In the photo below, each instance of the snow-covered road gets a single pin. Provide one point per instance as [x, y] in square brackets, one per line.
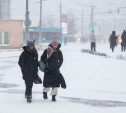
[94, 84]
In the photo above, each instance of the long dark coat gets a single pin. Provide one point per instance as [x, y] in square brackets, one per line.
[113, 40]
[123, 37]
[52, 75]
[28, 61]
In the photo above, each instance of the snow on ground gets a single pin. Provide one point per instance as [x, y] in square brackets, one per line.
[94, 84]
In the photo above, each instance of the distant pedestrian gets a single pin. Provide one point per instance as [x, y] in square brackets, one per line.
[65, 40]
[92, 39]
[123, 43]
[113, 40]
[52, 57]
[28, 61]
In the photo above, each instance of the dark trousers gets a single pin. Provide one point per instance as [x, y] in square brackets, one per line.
[123, 47]
[28, 84]
[112, 46]
[112, 49]
[93, 46]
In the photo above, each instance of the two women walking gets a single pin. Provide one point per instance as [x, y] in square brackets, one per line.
[52, 58]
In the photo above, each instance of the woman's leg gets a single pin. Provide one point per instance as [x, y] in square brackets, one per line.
[45, 90]
[28, 91]
[54, 92]
[29, 85]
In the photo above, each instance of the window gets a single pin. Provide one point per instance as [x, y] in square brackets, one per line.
[4, 38]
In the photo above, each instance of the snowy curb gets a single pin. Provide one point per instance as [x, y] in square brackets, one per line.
[95, 53]
[119, 57]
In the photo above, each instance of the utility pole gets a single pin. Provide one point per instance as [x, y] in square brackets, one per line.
[60, 13]
[40, 23]
[82, 39]
[72, 25]
[103, 27]
[60, 19]
[92, 17]
[27, 22]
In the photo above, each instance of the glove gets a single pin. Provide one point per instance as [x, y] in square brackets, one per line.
[63, 86]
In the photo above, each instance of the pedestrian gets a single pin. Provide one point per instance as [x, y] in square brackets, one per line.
[113, 40]
[28, 61]
[123, 43]
[52, 58]
[92, 39]
[65, 40]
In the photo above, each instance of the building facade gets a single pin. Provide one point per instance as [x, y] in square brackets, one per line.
[11, 34]
[5, 9]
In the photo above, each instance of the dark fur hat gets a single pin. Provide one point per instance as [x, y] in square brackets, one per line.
[31, 43]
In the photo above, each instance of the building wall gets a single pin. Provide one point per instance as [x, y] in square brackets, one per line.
[15, 29]
[4, 9]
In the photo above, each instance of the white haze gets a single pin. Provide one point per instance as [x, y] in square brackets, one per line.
[104, 23]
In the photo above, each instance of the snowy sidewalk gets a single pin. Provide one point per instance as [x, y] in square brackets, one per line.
[94, 84]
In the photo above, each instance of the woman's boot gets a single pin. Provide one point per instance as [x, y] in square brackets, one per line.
[54, 98]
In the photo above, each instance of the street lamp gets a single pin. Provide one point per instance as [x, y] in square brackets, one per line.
[40, 23]
[27, 22]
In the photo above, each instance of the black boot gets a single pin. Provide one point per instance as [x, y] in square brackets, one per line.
[26, 96]
[53, 98]
[45, 95]
[29, 99]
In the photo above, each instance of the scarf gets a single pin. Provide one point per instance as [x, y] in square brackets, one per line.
[49, 51]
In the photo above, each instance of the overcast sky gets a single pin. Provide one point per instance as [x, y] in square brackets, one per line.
[51, 10]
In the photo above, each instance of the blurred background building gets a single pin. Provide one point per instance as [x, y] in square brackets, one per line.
[5, 9]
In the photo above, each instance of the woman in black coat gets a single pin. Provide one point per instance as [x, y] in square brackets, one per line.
[53, 59]
[123, 43]
[28, 61]
[112, 40]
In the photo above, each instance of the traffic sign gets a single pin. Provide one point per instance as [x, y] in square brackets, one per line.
[29, 22]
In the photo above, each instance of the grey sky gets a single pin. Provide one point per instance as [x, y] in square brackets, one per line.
[51, 9]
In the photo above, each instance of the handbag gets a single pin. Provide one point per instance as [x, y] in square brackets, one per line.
[41, 66]
[38, 80]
